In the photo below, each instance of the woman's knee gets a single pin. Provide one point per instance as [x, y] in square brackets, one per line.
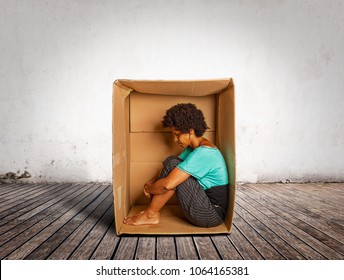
[171, 162]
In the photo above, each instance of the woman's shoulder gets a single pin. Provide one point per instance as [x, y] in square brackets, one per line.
[207, 143]
[206, 149]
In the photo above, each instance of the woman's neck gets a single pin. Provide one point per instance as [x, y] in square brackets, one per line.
[200, 141]
[196, 142]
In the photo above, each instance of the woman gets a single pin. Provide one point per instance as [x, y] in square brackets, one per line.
[198, 176]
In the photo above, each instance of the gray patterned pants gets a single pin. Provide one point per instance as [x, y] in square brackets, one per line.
[195, 203]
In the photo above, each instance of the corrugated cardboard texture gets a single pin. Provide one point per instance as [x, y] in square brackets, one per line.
[153, 107]
[140, 144]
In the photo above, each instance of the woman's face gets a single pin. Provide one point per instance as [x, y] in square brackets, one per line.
[182, 139]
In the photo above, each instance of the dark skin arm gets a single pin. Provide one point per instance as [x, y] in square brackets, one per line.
[170, 182]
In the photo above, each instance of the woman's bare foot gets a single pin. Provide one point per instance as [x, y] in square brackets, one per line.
[143, 218]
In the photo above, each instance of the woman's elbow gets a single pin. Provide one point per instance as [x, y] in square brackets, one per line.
[169, 186]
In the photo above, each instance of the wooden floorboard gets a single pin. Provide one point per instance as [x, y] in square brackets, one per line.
[75, 221]
[166, 248]
[145, 249]
[186, 249]
[297, 223]
[126, 248]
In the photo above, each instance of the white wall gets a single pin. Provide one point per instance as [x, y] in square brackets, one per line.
[58, 60]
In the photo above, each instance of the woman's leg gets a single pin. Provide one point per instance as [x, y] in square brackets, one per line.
[152, 214]
[196, 205]
[194, 201]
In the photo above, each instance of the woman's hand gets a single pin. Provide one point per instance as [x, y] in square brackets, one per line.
[162, 185]
[147, 194]
[148, 184]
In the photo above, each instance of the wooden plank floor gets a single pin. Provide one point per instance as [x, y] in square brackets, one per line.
[75, 221]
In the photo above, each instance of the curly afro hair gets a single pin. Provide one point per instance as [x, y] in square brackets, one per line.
[185, 116]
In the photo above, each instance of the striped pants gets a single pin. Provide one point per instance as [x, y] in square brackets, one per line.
[194, 201]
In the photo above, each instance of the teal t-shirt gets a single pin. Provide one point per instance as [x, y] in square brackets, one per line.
[206, 164]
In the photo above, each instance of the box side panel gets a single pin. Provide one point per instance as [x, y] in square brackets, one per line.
[150, 144]
[226, 143]
[147, 110]
[152, 147]
[120, 153]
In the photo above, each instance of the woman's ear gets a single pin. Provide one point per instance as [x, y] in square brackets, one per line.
[191, 131]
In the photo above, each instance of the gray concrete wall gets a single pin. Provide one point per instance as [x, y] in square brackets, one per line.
[60, 58]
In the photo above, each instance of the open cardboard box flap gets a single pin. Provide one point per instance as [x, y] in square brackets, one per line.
[138, 107]
[187, 88]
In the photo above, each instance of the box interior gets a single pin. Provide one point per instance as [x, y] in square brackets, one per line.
[141, 144]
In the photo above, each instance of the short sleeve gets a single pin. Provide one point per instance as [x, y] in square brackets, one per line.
[195, 164]
[185, 153]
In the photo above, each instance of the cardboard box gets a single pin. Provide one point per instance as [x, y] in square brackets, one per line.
[140, 144]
